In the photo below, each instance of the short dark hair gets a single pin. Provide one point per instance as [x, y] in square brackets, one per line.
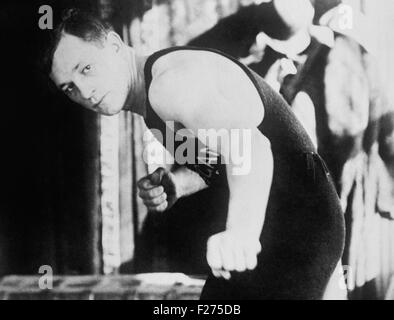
[322, 6]
[82, 24]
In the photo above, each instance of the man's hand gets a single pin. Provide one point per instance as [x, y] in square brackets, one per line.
[158, 190]
[232, 251]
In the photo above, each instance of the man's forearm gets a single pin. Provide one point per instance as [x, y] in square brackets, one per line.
[187, 181]
[249, 193]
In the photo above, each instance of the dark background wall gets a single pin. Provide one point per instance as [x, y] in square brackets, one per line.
[49, 207]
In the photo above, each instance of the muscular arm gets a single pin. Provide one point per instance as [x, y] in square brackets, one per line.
[249, 192]
[161, 189]
[204, 103]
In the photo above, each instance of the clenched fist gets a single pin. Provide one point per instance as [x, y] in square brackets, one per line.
[158, 190]
[232, 251]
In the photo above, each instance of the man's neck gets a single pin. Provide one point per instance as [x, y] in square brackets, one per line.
[136, 99]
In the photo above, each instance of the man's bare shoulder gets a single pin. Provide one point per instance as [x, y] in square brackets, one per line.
[190, 60]
[188, 83]
[179, 81]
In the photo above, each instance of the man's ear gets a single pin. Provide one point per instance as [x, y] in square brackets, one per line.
[114, 41]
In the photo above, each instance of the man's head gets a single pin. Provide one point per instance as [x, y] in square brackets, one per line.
[88, 62]
[322, 6]
[297, 14]
[282, 19]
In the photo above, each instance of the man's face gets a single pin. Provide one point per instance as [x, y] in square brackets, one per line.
[92, 74]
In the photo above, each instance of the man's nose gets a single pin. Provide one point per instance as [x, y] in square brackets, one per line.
[86, 90]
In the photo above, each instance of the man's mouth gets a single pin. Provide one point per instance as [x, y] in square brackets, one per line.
[96, 105]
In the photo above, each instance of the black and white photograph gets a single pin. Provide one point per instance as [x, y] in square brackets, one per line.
[203, 150]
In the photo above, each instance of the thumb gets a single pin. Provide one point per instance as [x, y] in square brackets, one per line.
[157, 176]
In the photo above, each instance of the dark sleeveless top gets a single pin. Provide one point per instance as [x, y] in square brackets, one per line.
[287, 136]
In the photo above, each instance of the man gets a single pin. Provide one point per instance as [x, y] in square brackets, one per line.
[236, 33]
[284, 230]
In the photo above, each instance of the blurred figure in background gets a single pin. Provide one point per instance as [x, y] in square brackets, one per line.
[236, 34]
[361, 126]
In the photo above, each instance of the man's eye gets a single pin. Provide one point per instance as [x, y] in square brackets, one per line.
[86, 69]
[69, 89]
